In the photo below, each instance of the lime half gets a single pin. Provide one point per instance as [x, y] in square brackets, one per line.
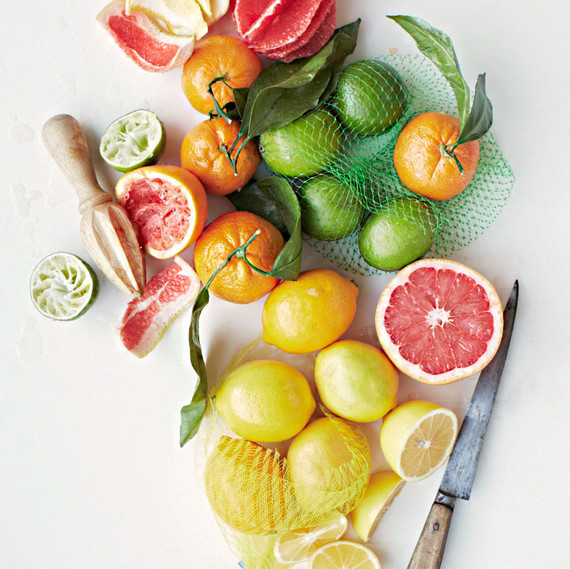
[133, 140]
[63, 286]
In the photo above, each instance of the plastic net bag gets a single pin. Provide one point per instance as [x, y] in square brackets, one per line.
[337, 147]
[253, 490]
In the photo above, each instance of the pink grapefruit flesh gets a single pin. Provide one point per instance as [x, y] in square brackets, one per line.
[439, 321]
[166, 296]
[143, 40]
[253, 17]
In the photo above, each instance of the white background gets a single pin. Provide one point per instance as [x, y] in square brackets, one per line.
[91, 474]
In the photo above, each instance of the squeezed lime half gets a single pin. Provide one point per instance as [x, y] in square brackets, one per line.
[133, 140]
[63, 286]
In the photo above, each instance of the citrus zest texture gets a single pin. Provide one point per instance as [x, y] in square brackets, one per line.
[310, 313]
[439, 321]
[423, 156]
[238, 281]
[265, 401]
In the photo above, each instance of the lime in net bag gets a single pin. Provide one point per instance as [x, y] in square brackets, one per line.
[253, 489]
[340, 158]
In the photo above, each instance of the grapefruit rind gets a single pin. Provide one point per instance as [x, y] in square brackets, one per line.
[400, 469]
[196, 199]
[165, 316]
[414, 371]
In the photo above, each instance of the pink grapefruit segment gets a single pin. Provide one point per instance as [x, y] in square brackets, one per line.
[439, 321]
[165, 297]
[143, 40]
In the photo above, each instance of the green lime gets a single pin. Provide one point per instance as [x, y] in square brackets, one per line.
[63, 286]
[401, 232]
[329, 209]
[133, 140]
[370, 97]
[304, 147]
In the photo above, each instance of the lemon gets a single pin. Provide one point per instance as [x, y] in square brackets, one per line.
[382, 489]
[310, 313]
[356, 381]
[344, 555]
[299, 545]
[329, 466]
[417, 437]
[245, 486]
[265, 401]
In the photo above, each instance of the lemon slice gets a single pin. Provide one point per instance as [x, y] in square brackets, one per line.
[417, 437]
[180, 17]
[344, 555]
[299, 545]
[133, 140]
[382, 488]
[63, 286]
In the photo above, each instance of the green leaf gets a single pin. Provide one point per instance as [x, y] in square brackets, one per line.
[481, 116]
[285, 91]
[273, 199]
[240, 98]
[192, 414]
[438, 47]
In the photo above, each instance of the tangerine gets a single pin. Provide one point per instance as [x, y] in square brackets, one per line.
[221, 57]
[424, 156]
[205, 151]
[237, 281]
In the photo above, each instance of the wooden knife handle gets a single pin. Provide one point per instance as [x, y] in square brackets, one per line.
[66, 143]
[429, 549]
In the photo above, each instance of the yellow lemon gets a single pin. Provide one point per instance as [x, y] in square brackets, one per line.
[245, 486]
[381, 491]
[344, 555]
[265, 401]
[356, 381]
[299, 545]
[329, 466]
[310, 313]
[417, 437]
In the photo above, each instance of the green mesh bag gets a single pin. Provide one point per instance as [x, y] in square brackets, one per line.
[357, 153]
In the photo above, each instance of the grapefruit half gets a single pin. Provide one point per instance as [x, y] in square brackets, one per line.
[167, 206]
[439, 321]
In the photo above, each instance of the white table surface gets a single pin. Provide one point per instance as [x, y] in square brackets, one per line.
[91, 474]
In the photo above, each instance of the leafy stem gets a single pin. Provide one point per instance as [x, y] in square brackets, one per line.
[448, 150]
[219, 110]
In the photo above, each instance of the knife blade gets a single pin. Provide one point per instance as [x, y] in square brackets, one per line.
[458, 478]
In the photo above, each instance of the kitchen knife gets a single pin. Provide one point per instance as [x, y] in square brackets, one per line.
[460, 472]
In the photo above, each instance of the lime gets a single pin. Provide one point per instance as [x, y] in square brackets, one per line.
[329, 209]
[133, 140]
[401, 232]
[304, 147]
[63, 286]
[370, 97]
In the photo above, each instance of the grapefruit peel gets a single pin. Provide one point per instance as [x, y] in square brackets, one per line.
[432, 321]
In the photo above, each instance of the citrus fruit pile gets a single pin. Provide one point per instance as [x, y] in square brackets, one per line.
[285, 29]
[296, 461]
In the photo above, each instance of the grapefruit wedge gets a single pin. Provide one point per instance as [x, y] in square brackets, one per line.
[143, 40]
[439, 321]
[165, 297]
[167, 205]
